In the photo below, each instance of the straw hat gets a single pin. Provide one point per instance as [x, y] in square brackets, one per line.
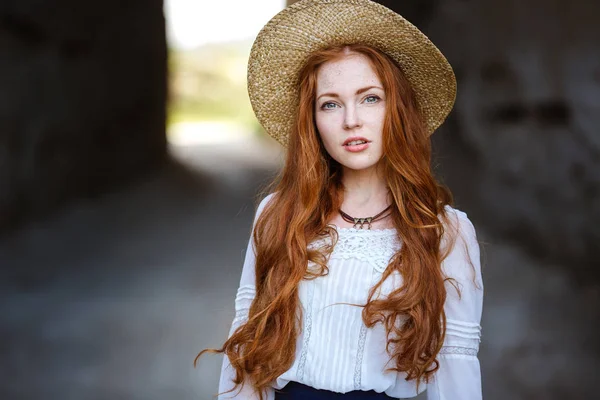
[285, 42]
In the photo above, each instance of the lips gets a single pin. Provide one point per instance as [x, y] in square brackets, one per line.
[356, 144]
[355, 141]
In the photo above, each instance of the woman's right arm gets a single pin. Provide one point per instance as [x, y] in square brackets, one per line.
[245, 294]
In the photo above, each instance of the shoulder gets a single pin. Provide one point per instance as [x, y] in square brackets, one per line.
[262, 204]
[461, 247]
[458, 224]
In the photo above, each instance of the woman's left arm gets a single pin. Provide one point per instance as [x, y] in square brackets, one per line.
[459, 374]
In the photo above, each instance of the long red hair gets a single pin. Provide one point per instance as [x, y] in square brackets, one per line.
[307, 195]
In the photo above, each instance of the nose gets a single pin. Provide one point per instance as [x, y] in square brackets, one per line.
[351, 118]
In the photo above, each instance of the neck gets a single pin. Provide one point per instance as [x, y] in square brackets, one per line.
[365, 191]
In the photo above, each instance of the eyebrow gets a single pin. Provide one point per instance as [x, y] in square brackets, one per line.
[359, 91]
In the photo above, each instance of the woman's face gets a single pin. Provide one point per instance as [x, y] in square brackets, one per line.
[349, 111]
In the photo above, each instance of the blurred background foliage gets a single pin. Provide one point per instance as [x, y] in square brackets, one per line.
[209, 84]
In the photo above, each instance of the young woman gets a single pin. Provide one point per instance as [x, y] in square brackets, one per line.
[360, 279]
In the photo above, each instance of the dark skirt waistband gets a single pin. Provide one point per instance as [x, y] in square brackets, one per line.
[298, 391]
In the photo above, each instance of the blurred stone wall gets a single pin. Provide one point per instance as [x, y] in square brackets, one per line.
[527, 120]
[82, 99]
[521, 150]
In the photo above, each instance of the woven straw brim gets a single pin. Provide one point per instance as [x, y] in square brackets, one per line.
[284, 44]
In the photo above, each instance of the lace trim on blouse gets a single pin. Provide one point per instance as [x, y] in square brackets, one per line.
[375, 247]
[361, 344]
[462, 339]
[307, 331]
[359, 357]
[457, 350]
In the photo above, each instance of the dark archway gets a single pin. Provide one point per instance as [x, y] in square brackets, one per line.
[82, 101]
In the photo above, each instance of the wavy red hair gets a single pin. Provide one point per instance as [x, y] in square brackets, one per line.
[307, 195]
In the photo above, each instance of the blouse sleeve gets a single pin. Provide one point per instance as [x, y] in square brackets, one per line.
[459, 375]
[243, 300]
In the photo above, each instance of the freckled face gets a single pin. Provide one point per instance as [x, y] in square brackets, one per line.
[350, 110]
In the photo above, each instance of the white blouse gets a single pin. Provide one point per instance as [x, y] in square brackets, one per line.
[335, 350]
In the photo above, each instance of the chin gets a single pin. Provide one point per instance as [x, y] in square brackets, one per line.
[357, 165]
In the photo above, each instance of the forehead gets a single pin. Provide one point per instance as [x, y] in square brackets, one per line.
[351, 72]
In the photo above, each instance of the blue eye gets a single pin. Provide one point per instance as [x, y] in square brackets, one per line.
[328, 106]
[372, 99]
